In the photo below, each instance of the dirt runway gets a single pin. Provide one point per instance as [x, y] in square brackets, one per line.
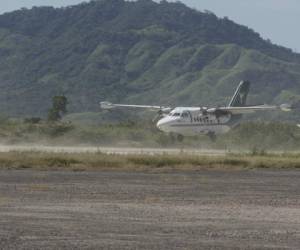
[176, 210]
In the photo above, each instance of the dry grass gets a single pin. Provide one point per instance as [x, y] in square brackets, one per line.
[94, 161]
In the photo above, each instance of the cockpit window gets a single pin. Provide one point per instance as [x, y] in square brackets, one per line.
[182, 114]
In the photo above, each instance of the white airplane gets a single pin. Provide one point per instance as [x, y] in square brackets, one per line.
[191, 121]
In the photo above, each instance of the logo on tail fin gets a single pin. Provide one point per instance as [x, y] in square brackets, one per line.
[240, 96]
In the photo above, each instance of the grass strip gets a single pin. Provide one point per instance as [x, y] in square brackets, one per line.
[100, 161]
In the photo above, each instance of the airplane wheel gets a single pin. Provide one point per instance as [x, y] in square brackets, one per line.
[212, 136]
[180, 138]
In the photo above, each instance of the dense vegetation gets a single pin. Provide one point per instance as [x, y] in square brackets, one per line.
[143, 52]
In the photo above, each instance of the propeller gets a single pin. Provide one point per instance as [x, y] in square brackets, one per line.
[161, 113]
[216, 112]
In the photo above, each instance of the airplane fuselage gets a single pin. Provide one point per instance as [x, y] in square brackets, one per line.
[195, 121]
[191, 121]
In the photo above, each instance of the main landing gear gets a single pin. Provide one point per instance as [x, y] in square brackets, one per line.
[212, 136]
[176, 137]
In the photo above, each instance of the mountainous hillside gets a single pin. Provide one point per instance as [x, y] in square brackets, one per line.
[138, 52]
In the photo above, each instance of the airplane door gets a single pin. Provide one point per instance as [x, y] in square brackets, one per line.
[185, 116]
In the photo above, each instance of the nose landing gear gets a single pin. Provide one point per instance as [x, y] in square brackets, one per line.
[180, 138]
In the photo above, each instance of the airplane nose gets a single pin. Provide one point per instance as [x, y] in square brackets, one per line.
[161, 124]
[165, 124]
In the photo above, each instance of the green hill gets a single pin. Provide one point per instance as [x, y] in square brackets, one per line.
[138, 52]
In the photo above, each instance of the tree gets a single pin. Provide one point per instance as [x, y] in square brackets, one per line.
[59, 108]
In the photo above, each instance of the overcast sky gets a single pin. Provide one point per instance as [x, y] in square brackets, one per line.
[274, 19]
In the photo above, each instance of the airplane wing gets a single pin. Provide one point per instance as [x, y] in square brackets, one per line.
[251, 109]
[109, 105]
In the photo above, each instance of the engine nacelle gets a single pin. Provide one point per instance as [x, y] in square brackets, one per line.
[212, 111]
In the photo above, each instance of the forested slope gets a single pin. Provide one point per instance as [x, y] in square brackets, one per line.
[140, 52]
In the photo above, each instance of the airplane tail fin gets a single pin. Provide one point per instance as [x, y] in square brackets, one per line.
[240, 96]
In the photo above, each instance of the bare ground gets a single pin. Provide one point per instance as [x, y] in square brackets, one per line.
[255, 209]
